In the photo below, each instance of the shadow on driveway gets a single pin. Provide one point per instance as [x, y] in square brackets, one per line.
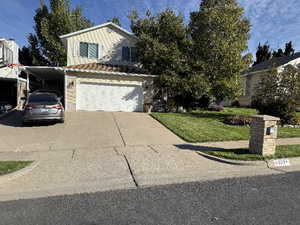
[15, 119]
[201, 152]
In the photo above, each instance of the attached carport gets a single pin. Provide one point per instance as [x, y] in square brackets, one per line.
[46, 78]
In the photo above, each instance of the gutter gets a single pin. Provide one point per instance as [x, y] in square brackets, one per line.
[109, 72]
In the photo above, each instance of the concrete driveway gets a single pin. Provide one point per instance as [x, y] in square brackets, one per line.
[84, 130]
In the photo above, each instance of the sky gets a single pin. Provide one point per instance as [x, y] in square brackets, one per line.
[273, 21]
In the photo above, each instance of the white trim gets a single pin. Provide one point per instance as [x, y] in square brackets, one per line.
[97, 27]
[90, 71]
[109, 72]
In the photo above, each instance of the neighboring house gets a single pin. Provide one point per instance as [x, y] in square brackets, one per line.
[102, 72]
[12, 87]
[251, 78]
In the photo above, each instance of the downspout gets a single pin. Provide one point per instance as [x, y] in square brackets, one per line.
[65, 89]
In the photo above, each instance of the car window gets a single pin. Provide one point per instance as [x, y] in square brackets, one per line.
[42, 98]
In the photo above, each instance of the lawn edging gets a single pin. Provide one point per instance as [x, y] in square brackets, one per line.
[233, 161]
[11, 176]
[269, 163]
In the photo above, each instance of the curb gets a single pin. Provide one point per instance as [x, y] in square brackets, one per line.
[8, 113]
[233, 162]
[19, 173]
[294, 161]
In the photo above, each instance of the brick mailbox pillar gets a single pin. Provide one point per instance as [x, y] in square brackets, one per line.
[263, 135]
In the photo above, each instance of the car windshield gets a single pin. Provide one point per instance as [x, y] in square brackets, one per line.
[42, 98]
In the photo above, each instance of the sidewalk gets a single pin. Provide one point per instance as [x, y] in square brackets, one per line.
[242, 144]
[91, 170]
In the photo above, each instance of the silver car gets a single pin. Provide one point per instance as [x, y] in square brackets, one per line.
[43, 107]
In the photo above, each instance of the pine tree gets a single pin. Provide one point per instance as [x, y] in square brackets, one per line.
[263, 53]
[50, 23]
[289, 50]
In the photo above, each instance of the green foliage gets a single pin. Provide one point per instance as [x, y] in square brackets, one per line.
[278, 53]
[163, 49]
[263, 53]
[220, 35]
[277, 94]
[50, 23]
[289, 50]
[25, 56]
[116, 21]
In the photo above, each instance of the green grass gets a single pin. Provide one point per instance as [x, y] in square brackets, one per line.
[205, 126]
[12, 166]
[285, 151]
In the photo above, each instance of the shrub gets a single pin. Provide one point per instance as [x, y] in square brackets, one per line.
[238, 120]
[277, 94]
[216, 108]
[235, 103]
[295, 120]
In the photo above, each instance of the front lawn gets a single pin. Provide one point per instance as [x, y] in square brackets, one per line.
[12, 166]
[285, 151]
[205, 126]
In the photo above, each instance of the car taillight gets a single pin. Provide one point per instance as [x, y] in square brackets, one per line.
[28, 107]
[57, 107]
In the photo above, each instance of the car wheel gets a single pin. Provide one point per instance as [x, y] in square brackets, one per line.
[25, 123]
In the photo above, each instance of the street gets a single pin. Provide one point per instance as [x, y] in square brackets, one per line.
[257, 200]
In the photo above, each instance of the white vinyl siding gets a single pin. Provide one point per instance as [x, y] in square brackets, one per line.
[110, 46]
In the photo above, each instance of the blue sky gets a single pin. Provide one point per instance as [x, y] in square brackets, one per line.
[275, 21]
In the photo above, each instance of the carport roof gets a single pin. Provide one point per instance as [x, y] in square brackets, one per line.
[46, 72]
[54, 73]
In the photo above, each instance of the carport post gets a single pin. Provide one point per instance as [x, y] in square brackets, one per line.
[27, 82]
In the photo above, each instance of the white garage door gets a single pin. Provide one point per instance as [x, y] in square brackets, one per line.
[109, 97]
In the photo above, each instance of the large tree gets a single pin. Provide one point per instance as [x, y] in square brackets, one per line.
[288, 51]
[220, 34]
[263, 53]
[50, 23]
[163, 49]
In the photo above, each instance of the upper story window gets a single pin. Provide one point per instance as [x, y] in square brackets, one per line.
[129, 54]
[89, 50]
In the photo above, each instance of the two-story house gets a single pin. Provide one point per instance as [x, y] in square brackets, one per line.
[251, 78]
[102, 72]
[12, 87]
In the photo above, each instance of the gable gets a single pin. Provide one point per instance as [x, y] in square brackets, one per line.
[110, 40]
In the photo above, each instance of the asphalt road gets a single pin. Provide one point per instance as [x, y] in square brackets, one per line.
[242, 201]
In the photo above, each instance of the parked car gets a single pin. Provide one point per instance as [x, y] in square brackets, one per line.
[43, 107]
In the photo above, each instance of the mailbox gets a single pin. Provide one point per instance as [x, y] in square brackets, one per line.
[270, 130]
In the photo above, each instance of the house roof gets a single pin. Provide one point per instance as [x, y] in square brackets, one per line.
[98, 27]
[108, 69]
[272, 63]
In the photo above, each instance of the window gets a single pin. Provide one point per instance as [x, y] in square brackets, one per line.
[129, 54]
[89, 50]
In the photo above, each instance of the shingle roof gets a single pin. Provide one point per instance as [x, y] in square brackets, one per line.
[108, 68]
[272, 63]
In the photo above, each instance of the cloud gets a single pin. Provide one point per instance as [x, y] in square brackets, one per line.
[275, 21]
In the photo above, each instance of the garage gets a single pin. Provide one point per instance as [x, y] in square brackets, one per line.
[109, 97]
[95, 86]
